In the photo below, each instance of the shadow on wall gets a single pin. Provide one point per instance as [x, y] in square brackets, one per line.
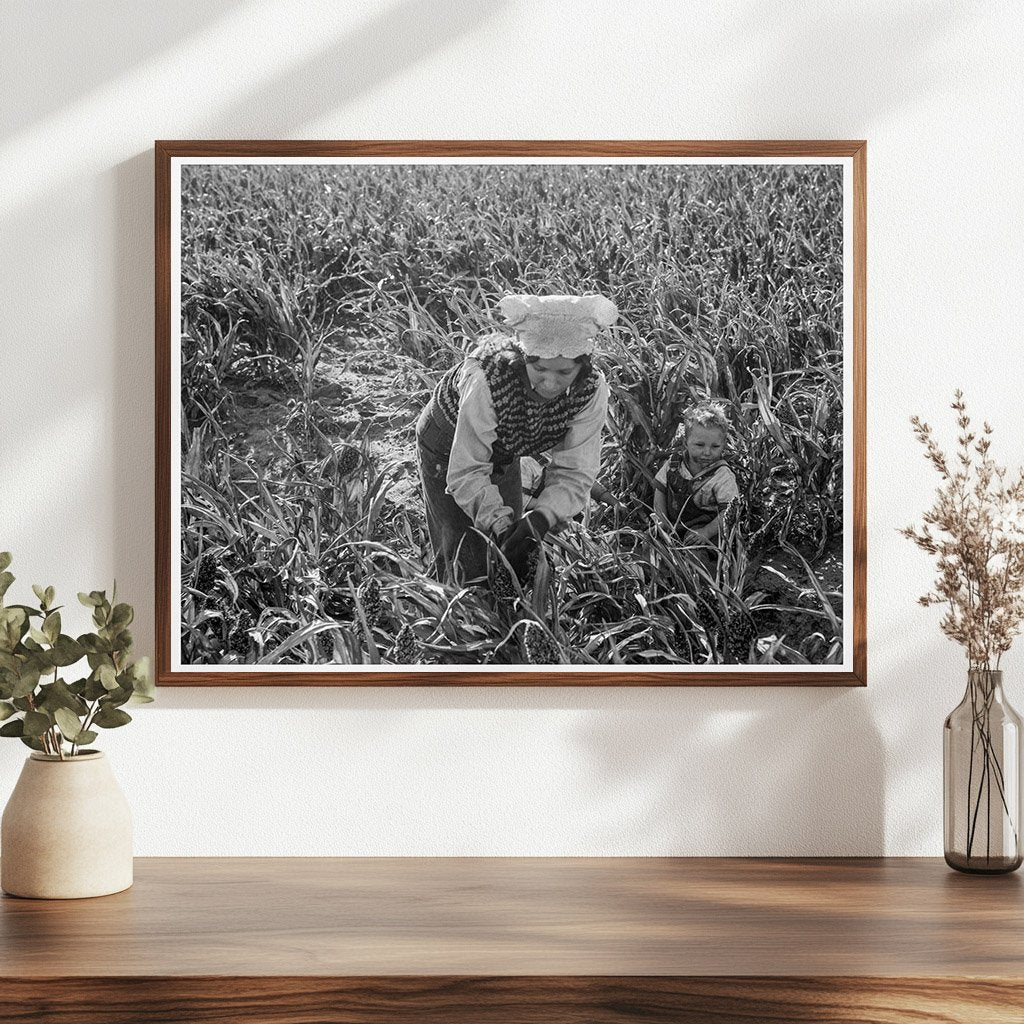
[787, 772]
[811, 53]
[121, 35]
[748, 771]
[802, 47]
[925, 682]
[133, 384]
[395, 38]
[49, 63]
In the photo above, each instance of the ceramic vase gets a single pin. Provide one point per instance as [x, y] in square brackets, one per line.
[66, 830]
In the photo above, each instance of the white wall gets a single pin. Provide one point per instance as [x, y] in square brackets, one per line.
[938, 90]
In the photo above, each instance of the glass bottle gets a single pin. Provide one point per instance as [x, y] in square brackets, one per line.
[981, 776]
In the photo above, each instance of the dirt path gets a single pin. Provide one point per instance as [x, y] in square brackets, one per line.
[361, 397]
[376, 397]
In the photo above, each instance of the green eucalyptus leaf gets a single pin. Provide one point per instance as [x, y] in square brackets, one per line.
[113, 637]
[36, 723]
[51, 626]
[102, 649]
[123, 641]
[9, 663]
[6, 710]
[122, 616]
[37, 659]
[69, 723]
[86, 736]
[50, 595]
[107, 676]
[89, 643]
[40, 592]
[115, 698]
[94, 689]
[66, 651]
[30, 612]
[27, 681]
[38, 636]
[31, 741]
[47, 661]
[6, 579]
[22, 703]
[15, 728]
[5, 559]
[58, 695]
[89, 600]
[111, 718]
[13, 624]
[142, 678]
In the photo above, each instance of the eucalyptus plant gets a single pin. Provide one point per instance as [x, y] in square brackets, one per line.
[46, 712]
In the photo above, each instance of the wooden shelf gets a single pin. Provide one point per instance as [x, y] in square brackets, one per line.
[289, 940]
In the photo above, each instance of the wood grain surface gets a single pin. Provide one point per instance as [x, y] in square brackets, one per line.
[531, 916]
[290, 940]
[536, 1000]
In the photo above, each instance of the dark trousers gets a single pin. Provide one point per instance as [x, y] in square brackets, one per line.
[460, 552]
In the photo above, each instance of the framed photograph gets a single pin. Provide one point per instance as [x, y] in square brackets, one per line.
[491, 413]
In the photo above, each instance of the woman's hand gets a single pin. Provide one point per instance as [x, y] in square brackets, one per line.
[526, 536]
[501, 529]
[601, 494]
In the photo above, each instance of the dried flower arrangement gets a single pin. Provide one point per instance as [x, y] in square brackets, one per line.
[976, 530]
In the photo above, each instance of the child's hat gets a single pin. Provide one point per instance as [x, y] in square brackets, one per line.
[550, 326]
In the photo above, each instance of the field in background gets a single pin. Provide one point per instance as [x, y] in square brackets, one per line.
[320, 305]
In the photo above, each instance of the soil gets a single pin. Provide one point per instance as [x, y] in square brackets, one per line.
[788, 585]
[361, 396]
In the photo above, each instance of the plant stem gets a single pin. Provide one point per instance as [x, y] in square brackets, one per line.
[982, 698]
[988, 814]
[58, 739]
[970, 768]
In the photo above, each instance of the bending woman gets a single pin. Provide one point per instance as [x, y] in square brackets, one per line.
[537, 391]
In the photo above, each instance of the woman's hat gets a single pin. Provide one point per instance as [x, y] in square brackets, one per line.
[550, 326]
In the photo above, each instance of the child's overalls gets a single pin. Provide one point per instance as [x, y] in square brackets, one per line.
[681, 491]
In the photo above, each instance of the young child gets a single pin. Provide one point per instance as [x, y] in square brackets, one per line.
[695, 483]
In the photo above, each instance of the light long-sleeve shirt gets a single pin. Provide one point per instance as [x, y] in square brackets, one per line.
[570, 474]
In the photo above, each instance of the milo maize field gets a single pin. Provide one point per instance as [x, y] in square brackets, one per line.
[320, 304]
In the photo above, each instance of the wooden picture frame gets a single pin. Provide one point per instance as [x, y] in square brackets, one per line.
[199, 630]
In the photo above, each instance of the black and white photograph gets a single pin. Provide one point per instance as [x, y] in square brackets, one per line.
[468, 415]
